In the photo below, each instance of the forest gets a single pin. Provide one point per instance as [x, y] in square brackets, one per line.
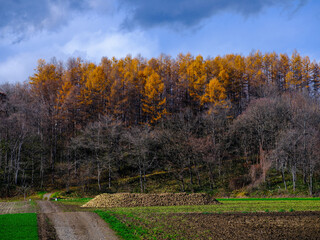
[224, 122]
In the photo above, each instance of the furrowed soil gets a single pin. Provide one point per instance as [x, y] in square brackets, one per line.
[54, 223]
[296, 225]
[16, 207]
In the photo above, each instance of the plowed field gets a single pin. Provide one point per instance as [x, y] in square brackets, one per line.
[275, 225]
[302, 225]
[16, 207]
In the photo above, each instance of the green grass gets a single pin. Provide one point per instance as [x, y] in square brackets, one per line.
[55, 195]
[122, 230]
[80, 200]
[40, 194]
[21, 226]
[269, 199]
[74, 201]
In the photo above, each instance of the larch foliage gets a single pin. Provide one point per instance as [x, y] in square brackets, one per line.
[154, 102]
[215, 93]
[197, 78]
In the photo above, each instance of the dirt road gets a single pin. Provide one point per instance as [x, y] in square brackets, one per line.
[47, 196]
[71, 225]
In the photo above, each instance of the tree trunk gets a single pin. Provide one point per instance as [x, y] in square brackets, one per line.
[99, 173]
[304, 176]
[293, 171]
[68, 180]
[182, 182]
[198, 176]
[219, 166]
[196, 166]
[304, 154]
[0, 158]
[210, 176]
[5, 165]
[41, 172]
[262, 159]
[283, 177]
[32, 172]
[140, 175]
[51, 163]
[191, 179]
[109, 174]
[144, 179]
[311, 183]
[17, 165]
[11, 165]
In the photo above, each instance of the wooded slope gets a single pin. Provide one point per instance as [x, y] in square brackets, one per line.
[218, 122]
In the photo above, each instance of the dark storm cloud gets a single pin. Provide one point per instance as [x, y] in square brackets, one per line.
[149, 13]
[18, 17]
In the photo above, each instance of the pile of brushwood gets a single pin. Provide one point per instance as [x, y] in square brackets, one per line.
[143, 200]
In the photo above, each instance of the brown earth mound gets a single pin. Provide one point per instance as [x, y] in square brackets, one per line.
[143, 200]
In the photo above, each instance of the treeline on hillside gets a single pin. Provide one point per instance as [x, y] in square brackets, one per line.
[230, 117]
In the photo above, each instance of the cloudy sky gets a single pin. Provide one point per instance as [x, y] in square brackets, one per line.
[91, 29]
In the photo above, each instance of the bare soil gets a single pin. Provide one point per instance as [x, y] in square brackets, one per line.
[56, 224]
[46, 230]
[48, 207]
[297, 225]
[16, 207]
[47, 196]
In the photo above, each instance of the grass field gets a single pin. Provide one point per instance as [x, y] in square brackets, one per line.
[167, 222]
[75, 200]
[228, 205]
[21, 226]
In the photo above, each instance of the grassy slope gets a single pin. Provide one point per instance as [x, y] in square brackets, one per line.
[22, 226]
[159, 182]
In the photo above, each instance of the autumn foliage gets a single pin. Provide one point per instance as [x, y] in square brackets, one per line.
[137, 90]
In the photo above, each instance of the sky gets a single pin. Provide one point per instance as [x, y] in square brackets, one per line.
[92, 29]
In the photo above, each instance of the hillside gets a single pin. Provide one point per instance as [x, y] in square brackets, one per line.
[229, 125]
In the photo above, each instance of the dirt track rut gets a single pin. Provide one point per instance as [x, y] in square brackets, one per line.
[75, 225]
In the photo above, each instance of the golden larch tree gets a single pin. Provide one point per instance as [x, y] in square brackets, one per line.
[215, 94]
[154, 102]
[197, 78]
